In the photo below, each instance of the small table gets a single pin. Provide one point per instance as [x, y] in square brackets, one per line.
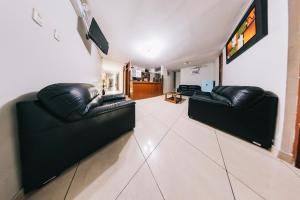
[173, 97]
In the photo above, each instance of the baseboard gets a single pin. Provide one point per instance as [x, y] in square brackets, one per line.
[19, 195]
[286, 157]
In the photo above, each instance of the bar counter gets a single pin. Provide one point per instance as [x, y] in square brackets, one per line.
[142, 90]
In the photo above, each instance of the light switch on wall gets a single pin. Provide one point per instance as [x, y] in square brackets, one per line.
[37, 17]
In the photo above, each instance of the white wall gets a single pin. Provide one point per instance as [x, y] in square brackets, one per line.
[265, 64]
[208, 71]
[168, 80]
[114, 67]
[30, 60]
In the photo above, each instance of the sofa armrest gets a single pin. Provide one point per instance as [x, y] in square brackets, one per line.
[108, 108]
[113, 97]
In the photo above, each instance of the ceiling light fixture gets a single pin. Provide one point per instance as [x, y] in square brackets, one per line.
[151, 48]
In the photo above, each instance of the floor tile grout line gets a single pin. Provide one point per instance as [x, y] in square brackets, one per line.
[207, 156]
[131, 178]
[71, 182]
[169, 126]
[160, 141]
[167, 132]
[239, 141]
[249, 145]
[266, 154]
[242, 182]
[146, 158]
[149, 167]
[227, 173]
[287, 165]
[161, 193]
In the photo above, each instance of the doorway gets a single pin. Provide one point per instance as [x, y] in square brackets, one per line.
[126, 79]
[220, 69]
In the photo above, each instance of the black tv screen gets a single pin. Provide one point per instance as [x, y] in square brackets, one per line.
[96, 35]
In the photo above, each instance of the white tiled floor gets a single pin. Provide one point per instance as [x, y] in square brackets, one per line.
[169, 156]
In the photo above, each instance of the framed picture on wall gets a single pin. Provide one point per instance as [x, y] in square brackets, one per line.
[252, 28]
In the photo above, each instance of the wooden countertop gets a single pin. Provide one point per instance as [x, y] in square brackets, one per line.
[144, 82]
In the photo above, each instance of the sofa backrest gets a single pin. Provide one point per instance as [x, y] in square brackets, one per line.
[183, 87]
[239, 96]
[68, 100]
[194, 87]
[189, 87]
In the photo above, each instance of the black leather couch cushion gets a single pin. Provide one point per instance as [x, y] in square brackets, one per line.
[238, 96]
[68, 101]
[188, 90]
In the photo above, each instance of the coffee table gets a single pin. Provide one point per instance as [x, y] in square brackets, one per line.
[173, 97]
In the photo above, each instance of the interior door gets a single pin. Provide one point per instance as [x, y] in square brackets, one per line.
[127, 77]
[297, 128]
[221, 69]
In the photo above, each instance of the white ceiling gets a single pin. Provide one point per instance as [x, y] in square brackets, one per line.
[179, 30]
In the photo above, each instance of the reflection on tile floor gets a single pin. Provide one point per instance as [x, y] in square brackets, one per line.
[169, 156]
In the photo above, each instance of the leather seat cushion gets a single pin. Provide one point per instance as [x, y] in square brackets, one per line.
[68, 100]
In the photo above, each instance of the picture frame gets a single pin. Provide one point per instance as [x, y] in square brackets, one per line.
[251, 29]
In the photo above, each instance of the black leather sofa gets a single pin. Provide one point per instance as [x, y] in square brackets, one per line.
[247, 112]
[188, 90]
[67, 122]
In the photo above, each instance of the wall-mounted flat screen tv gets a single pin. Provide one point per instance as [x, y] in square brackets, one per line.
[96, 35]
[252, 28]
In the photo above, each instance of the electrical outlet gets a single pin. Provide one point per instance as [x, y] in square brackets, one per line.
[37, 17]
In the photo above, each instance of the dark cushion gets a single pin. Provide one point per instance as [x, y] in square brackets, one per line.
[183, 87]
[239, 96]
[217, 97]
[189, 87]
[194, 87]
[68, 100]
